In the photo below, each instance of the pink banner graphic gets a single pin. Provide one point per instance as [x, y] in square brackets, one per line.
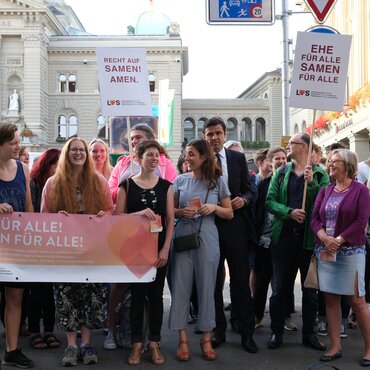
[76, 248]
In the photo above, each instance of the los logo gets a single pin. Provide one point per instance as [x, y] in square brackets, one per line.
[302, 92]
[113, 102]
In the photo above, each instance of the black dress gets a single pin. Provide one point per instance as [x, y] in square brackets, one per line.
[139, 199]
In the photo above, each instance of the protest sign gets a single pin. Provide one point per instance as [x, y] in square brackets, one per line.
[320, 71]
[123, 82]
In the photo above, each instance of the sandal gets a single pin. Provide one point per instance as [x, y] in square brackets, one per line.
[51, 340]
[135, 355]
[210, 354]
[155, 354]
[37, 342]
[183, 355]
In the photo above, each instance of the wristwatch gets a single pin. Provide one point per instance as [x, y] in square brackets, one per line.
[340, 239]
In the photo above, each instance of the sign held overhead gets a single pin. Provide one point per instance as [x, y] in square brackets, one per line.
[320, 71]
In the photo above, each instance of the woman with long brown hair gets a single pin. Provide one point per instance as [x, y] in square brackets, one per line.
[200, 195]
[77, 188]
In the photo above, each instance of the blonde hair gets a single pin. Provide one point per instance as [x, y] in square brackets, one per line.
[107, 168]
[63, 187]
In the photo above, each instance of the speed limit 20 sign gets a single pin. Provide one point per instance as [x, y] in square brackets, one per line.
[240, 11]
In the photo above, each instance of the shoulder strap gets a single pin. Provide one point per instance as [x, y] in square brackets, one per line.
[282, 174]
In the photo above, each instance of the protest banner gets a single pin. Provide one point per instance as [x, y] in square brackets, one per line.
[45, 247]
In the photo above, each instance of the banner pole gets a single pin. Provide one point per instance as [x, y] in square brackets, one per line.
[309, 158]
[128, 123]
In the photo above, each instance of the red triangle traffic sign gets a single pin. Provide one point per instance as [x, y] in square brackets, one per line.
[320, 8]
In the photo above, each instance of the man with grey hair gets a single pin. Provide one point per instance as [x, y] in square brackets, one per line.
[292, 239]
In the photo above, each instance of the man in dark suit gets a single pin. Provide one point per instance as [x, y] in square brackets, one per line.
[235, 239]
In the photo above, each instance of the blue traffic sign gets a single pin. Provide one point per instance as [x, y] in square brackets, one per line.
[323, 29]
[240, 11]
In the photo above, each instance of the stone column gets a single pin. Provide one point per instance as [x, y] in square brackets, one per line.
[359, 143]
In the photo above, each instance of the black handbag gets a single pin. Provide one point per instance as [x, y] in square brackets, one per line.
[187, 242]
[191, 241]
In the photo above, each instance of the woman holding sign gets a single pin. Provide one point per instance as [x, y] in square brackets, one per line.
[15, 196]
[77, 188]
[149, 195]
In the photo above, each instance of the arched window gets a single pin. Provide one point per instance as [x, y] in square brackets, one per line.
[102, 128]
[151, 78]
[72, 83]
[67, 84]
[200, 125]
[296, 130]
[231, 129]
[67, 126]
[62, 83]
[260, 129]
[304, 126]
[188, 129]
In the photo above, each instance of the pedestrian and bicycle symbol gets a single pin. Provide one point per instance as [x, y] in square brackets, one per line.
[240, 11]
[240, 8]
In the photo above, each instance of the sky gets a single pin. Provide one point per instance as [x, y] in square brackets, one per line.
[223, 60]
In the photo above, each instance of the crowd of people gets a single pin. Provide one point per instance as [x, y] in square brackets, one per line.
[213, 209]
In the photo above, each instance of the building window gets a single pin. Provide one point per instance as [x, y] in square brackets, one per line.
[72, 83]
[62, 83]
[151, 79]
[67, 84]
[67, 126]
[102, 127]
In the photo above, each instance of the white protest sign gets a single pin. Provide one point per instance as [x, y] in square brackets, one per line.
[320, 71]
[124, 85]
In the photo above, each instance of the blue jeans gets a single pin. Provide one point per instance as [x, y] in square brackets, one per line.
[287, 257]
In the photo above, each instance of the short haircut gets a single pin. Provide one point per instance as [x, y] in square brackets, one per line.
[350, 161]
[142, 147]
[337, 145]
[271, 153]
[306, 138]
[317, 149]
[231, 143]
[7, 132]
[214, 121]
[260, 155]
[148, 131]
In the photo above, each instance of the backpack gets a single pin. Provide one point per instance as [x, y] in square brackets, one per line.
[122, 332]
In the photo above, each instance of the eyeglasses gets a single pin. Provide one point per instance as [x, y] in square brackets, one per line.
[332, 161]
[293, 142]
[77, 150]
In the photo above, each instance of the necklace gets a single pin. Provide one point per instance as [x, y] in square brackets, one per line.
[344, 189]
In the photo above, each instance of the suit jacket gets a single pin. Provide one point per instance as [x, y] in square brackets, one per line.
[239, 186]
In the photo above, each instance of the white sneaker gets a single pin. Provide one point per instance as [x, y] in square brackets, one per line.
[258, 324]
[321, 329]
[290, 325]
[110, 342]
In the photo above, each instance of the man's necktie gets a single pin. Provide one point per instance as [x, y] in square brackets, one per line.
[219, 163]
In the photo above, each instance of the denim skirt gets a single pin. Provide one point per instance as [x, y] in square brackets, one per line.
[339, 277]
